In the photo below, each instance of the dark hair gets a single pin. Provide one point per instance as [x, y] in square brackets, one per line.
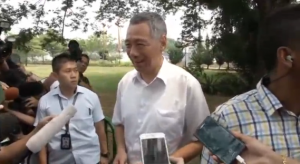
[280, 28]
[155, 22]
[59, 60]
[85, 55]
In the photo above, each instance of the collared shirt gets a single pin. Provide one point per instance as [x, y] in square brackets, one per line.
[173, 103]
[85, 141]
[258, 113]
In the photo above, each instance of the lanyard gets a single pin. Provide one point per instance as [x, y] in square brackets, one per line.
[62, 108]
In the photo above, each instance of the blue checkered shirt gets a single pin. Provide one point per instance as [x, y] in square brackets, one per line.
[258, 113]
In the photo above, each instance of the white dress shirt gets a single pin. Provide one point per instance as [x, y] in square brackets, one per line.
[85, 141]
[173, 103]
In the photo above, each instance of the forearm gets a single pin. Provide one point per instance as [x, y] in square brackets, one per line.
[278, 159]
[120, 139]
[43, 156]
[23, 117]
[100, 130]
[189, 151]
[14, 150]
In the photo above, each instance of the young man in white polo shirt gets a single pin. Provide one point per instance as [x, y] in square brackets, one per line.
[157, 96]
[81, 140]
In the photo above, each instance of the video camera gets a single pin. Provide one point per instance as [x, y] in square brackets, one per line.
[6, 47]
[75, 50]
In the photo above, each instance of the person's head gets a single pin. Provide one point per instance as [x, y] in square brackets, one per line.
[279, 42]
[64, 68]
[146, 40]
[83, 63]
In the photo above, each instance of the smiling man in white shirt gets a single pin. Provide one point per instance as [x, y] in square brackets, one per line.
[157, 96]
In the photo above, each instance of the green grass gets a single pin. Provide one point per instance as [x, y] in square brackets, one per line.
[103, 79]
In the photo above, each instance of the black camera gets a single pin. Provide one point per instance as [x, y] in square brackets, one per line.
[75, 50]
[6, 47]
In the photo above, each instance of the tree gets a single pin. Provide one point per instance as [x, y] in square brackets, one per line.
[97, 44]
[235, 22]
[235, 25]
[175, 55]
[220, 60]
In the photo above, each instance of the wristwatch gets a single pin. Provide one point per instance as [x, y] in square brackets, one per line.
[105, 155]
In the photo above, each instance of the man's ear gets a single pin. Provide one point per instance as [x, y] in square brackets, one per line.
[163, 42]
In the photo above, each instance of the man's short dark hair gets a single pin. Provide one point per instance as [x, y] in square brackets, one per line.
[59, 60]
[86, 56]
[280, 28]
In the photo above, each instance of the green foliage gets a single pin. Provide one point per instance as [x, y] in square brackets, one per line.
[208, 83]
[175, 55]
[220, 60]
[102, 43]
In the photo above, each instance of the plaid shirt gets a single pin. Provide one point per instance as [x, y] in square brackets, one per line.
[258, 113]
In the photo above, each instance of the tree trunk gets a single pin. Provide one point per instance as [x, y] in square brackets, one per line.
[207, 66]
[219, 67]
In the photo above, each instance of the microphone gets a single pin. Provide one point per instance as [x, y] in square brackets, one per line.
[43, 136]
[11, 93]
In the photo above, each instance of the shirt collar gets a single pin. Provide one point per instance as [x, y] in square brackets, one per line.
[268, 100]
[162, 74]
[56, 91]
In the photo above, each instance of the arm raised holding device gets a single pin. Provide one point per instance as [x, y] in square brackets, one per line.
[38, 138]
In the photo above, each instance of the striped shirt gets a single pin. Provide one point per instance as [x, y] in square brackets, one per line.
[258, 113]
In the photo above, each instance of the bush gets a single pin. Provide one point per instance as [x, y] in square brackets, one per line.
[229, 84]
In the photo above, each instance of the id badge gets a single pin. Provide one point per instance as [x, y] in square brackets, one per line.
[65, 143]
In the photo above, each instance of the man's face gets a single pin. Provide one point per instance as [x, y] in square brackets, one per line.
[68, 74]
[142, 49]
[83, 64]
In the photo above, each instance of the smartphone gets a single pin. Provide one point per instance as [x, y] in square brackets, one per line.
[154, 148]
[219, 141]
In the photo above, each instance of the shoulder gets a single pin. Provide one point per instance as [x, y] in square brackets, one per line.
[237, 107]
[87, 93]
[127, 78]
[178, 73]
[45, 100]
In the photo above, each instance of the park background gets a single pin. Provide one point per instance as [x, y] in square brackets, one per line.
[215, 40]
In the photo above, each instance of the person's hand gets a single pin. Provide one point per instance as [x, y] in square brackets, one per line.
[43, 122]
[4, 85]
[255, 151]
[5, 105]
[175, 160]
[31, 102]
[104, 160]
[121, 158]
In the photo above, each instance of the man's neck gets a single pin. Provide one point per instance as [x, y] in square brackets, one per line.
[148, 77]
[287, 92]
[68, 92]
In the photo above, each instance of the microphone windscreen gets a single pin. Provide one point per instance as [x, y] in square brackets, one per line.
[11, 93]
[8, 123]
[29, 89]
[42, 137]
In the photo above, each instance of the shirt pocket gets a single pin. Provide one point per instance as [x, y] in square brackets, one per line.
[170, 120]
[83, 120]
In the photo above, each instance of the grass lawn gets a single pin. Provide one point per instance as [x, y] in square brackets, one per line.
[105, 81]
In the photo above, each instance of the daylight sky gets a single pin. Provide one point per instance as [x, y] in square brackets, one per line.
[173, 22]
